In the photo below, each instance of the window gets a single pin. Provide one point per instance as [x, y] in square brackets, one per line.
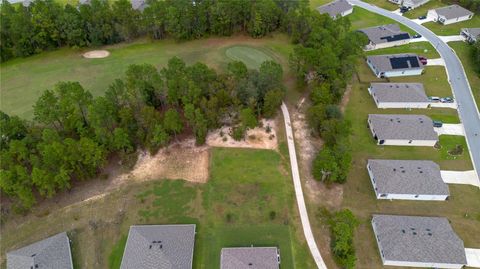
[410, 142]
[416, 196]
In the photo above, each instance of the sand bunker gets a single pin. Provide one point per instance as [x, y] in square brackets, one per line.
[96, 54]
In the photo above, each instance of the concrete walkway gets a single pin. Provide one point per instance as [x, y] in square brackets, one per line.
[473, 257]
[450, 129]
[302, 208]
[444, 105]
[460, 177]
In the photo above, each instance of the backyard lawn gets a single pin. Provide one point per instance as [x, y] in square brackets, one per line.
[248, 200]
[422, 10]
[421, 48]
[24, 80]
[383, 4]
[452, 29]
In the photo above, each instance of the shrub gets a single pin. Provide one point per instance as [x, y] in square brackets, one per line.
[457, 150]
[238, 133]
[342, 225]
[272, 215]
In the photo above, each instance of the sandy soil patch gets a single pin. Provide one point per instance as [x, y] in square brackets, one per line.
[96, 54]
[255, 138]
[308, 147]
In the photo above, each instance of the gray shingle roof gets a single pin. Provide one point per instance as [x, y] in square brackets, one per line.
[249, 258]
[404, 127]
[384, 33]
[159, 247]
[399, 92]
[335, 8]
[418, 239]
[383, 63]
[407, 177]
[139, 4]
[453, 11]
[51, 253]
[475, 32]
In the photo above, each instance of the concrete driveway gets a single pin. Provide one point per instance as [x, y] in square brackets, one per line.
[460, 177]
[438, 61]
[450, 38]
[457, 78]
[473, 257]
[450, 129]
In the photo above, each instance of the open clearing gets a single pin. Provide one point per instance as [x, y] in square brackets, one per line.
[23, 80]
[234, 208]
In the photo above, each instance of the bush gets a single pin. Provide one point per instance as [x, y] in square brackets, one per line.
[238, 133]
[342, 226]
[457, 150]
[272, 215]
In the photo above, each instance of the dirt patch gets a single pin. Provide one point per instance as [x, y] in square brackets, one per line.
[345, 98]
[254, 138]
[309, 145]
[96, 54]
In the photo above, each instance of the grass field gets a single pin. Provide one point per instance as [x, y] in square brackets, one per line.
[452, 29]
[23, 80]
[383, 4]
[422, 10]
[361, 18]
[463, 51]
[420, 48]
[234, 208]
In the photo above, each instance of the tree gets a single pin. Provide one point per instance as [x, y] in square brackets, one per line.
[11, 128]
[121, 140]
[160, 136]
[172, 122]
[343, 225]
[71, 26]
[125, 19]
[325, 167]
[273, 99]
[200, 128]
[237, 69]
[248, 119]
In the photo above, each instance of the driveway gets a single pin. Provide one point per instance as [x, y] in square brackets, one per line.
[450, 129]
[473, 257]
[302, 208]
[460, 177]
[457, 78]
[438, 61]
[450, 38]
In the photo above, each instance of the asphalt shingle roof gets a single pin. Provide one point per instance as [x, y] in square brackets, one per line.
[335, 8]
[249, 258]
[399, 92]
[418, 239]
[384, 63]
[404, 127]
[407, 177]
[453, 11]
[139, 4]
[385, 33]
[475, 32]
[52, 253]
[159, 247]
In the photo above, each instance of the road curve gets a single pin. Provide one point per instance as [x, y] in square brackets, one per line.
[462, 92]
[307, 230]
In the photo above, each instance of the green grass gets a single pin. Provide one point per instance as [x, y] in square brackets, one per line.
[23, 80]
[422, 10]
[383, 4]
[452, 29]
[464, 52]
[420, 48]
[252, 57]
[232, 209]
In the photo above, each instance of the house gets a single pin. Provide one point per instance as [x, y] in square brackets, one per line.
[418, 242]
[399, 95]
[472, 35]
[407, 180]
[412, 4]
[395, 65]
[337, 8]
[84, 2]
[402, 130]
[159, 247]
[450, 14]
[139, 5]
[385, 36]
[53, 253]
[250, 257]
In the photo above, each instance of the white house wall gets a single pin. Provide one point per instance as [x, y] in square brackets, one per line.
[402, 73]
[422, 264]
[373, 46]
[348, 12]
[400, 142]
[401, 105]
[422, 197]
[411, 4]
[455, 20]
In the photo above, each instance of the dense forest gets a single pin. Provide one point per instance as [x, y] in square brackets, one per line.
[45, 24]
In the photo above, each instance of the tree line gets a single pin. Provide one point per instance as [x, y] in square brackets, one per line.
[73, 134]
[324, 61]
[46, 24]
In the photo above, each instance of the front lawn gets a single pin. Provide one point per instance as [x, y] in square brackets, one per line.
[361, 18]
[463, 51]
[452, 29]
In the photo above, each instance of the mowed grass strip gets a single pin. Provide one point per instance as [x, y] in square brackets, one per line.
[24, 80]
[464, 52]
[454, 28]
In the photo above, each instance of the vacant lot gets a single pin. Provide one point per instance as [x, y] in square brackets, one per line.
[247, 200]
[24, 80]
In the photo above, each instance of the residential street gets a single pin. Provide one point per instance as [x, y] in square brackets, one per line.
[302, 208]
[467, 108]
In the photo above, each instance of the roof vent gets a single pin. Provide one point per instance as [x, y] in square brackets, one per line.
[430, 234]
[421, 172]
[394, 169]
[414, 233]
[161, 246]
[36, 265]
[403, 171]
[403, 231]
[150, 247]
[428, 229]
[250, 264]
[33, 255]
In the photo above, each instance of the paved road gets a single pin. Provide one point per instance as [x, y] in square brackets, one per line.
[461, 88]
[307, 230]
